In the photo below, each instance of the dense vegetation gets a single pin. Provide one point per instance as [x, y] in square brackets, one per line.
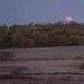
[41, 35]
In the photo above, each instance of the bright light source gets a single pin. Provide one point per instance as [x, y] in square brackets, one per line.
[68, 19]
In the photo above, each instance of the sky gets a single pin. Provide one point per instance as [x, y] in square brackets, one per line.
[40, 11]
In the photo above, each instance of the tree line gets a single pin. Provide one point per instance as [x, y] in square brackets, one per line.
[41, 35]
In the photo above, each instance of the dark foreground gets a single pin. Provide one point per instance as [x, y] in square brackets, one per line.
[46, 79]
[57, 65]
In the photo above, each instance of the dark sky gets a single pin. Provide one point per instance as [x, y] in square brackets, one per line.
[41, 11]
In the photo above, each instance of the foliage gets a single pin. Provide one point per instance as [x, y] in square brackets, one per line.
[41, 35]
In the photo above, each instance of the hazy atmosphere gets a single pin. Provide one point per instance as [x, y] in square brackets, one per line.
[39, 11]
[41, 41]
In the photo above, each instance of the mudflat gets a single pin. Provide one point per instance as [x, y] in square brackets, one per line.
[50, 65]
